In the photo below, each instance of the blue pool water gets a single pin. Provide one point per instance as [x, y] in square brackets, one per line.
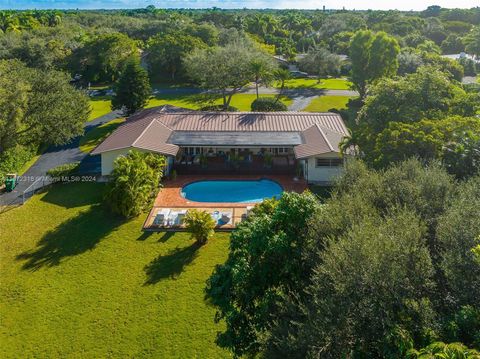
[244, 191]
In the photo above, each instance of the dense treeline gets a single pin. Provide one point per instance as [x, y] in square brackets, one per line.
[164, 36]
[385, 266]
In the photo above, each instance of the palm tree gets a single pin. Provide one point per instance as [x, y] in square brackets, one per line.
[441, 350]
[281, 75]
[261, 71]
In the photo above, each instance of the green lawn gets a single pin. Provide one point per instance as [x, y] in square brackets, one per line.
[100, 105]
[241, 101]
[77, 282]
[326, 103]
[324, 84]
[95, 136]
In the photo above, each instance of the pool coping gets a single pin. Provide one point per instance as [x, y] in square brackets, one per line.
[170, 195]
[232, 180]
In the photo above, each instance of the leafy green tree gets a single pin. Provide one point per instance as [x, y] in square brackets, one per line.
[39, 107]
[453, 44]
[102, 58]
[262, 69]
[373, 56]
[265, 262]
[225, 69]
[134, 182]
[472, 41]
[200, 224]
[408, 61]
[430, 47]
[369, 294]
[383, 53]
[319, 61]
[451, 140]
[359, 54]
[442, 350]
[457, 234]
[132, 90]
[166, 52]
[282, 76]
[426, 94]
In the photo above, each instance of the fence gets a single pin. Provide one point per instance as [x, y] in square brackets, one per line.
[40, 183]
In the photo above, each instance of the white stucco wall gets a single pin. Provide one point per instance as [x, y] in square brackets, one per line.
[322, 174]
[109, 157]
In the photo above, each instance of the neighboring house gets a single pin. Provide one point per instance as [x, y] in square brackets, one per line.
[233, 142]
[460, 56]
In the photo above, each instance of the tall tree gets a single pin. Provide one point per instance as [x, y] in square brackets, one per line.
[265, 262]
[102, 58]
[319, 61]
[166, 52]
[39, 107]
[262, 69]
[132, 89]
[373, 56]
[472, 41]
[226, 69]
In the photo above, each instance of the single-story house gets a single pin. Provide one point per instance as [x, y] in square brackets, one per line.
[196, 142]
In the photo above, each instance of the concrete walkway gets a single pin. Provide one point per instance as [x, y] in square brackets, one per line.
[53, 157]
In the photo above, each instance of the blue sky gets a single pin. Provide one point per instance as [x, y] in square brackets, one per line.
[279, 4]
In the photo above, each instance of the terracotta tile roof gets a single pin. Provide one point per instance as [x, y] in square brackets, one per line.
[318, 140]
[152, 128]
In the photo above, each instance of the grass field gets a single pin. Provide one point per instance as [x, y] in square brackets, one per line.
[326, 103]
[324, 84]
[100, 106]
[78, 282]
[93, 137]
[241, 101]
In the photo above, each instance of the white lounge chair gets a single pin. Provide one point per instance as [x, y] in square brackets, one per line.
[161, 217]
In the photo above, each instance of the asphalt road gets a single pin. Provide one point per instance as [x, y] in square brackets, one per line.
[53, 157]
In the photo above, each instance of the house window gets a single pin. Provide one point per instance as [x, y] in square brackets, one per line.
[328, 162]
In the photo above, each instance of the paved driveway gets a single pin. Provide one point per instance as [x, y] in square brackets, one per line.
[53, 157]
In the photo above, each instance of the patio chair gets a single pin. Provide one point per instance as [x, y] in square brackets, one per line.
[161, 217]
[180, 216]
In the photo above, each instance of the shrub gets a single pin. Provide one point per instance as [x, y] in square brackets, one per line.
[268, 104]
[59, 172]
[218, 108]
[200, 224]
[12, 160]
[134, 182]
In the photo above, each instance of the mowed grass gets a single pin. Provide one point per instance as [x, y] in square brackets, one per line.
[326, 103]
[241, 101]
[100, 106]
[95, 136]
[78, 282]
[322, 84]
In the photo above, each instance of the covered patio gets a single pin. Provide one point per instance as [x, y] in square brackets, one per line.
[233, 152]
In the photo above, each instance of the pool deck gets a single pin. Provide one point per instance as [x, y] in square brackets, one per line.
[169, 197]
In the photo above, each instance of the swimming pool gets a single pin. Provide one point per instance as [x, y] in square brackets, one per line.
[235, 191]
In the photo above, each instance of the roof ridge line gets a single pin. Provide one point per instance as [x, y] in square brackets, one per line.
[329, 129]
[325, 138]
[143, 132]
[163, 123]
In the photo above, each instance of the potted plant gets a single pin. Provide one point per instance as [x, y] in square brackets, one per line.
[268, 160]
[298, 172]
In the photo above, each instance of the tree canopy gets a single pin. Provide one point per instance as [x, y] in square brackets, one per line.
[132, 90]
